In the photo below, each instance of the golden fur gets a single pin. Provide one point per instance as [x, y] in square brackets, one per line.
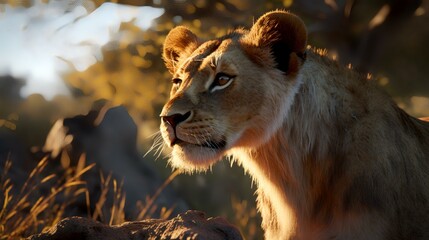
[332, 155]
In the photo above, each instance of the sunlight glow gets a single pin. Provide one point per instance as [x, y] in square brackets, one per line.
[42, 42]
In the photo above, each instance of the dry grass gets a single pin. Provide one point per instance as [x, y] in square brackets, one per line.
[114, 213]
[31, 211]
[146, 210]
[43, 199]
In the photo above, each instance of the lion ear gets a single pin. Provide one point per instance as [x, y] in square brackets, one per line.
[284, 34]
[179, 43]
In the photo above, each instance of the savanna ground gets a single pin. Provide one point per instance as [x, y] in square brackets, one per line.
[117, 59]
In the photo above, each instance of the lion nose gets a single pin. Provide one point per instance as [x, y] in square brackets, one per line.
[174, 119]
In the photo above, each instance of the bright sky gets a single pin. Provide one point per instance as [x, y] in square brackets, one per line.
[36, 41]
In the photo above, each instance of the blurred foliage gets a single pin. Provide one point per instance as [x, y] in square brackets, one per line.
[132, 72]
[385, 37]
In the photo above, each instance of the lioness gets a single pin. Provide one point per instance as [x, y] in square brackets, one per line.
[332, 155]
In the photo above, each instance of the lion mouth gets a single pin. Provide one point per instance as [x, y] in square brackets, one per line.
[174, 136]
[194, 149]
[207, 144]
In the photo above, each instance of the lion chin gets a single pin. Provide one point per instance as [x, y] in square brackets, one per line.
[194, 158]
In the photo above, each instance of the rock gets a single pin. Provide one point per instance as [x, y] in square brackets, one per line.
[189, 225]
[108, 137]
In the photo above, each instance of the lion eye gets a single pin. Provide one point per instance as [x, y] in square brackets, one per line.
[221, 81]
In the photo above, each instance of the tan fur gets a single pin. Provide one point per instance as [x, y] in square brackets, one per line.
[332, 155]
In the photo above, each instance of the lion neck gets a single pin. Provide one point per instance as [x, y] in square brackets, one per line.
[284, 167]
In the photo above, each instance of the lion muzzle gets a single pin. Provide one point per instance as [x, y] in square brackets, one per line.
[171, 123]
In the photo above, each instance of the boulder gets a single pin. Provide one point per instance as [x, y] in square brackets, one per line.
[108, 138]
[189, 225]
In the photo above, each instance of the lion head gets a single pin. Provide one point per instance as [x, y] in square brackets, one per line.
[231, 92]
